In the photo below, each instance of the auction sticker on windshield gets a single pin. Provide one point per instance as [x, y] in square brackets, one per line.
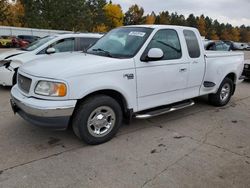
[136, 33]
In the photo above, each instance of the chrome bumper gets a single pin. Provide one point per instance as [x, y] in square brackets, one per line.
[42, 112]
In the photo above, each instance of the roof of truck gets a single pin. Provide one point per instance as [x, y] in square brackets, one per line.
[163, 26]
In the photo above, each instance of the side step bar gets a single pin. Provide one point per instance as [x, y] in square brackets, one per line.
[164, 110]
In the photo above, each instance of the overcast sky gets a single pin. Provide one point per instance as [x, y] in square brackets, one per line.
[236, 12]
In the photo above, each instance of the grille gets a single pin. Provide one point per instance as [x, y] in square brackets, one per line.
[24, 83]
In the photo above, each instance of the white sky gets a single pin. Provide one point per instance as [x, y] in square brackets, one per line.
[235, 12]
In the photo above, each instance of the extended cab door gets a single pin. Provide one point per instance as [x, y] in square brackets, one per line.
[161, 82]
[196, 61]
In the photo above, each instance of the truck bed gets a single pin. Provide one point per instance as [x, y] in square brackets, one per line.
[213, 54]
[219, 65]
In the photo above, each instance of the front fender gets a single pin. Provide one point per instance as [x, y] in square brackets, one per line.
[82, 86]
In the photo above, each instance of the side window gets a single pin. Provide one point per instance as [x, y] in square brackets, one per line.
[64, 45]
[212, 47]
[226, 47]
[168, 41]
[219, 47]
[85, 43]
[192, 44]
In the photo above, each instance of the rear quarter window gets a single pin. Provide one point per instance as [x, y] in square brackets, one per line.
[192, 44]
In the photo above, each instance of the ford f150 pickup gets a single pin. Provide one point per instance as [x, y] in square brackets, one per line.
[133, 71]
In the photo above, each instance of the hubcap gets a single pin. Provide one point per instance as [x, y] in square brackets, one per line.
[225, 92]
[101, 121]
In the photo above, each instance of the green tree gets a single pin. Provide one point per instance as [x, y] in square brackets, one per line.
[213, 35]
[56, 14]
[176, 19]
[134, 15]
[201, 24]
[191, 21]
[96, 15]
[3, 12]
[235, 34]
[150, 18]
[225, 35]
[114, 15]
[244, 34]
[163, 18]
[15, 14]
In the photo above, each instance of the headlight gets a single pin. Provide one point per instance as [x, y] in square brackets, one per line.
[246, 66]
[53, 89]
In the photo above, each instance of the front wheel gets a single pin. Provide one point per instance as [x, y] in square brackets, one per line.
[224, 93]
[97, 119]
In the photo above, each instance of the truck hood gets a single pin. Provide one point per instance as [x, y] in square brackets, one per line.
[9, 54]
[61, 66]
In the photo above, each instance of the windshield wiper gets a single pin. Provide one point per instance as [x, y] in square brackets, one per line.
[104, 51]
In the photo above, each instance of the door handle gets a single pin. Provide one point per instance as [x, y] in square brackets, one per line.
[183, 70]
[195, 62]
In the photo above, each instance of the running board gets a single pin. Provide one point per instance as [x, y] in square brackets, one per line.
[164, 110]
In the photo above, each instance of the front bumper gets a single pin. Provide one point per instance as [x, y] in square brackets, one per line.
[44, 113]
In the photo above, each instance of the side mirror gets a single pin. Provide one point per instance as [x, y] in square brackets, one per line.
[155, 54]
[50, 51]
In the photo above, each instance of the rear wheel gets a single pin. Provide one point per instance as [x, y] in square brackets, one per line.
[97, 119]
[224, 93]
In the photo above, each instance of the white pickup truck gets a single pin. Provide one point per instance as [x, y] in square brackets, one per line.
[133, 71]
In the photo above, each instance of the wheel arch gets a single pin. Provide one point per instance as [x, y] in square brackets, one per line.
[232, 76]
[118, 96]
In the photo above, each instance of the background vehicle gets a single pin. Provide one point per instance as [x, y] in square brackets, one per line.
[23, 40]
[133, 71]
[218, 46]
[246, 71]
[10, 61]
[240, 46]
[6, 41]
[248, 47]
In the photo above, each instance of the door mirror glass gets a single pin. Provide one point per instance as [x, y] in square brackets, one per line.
[50, 51]
[155, 54]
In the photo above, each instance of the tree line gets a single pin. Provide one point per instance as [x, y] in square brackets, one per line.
[101, 16]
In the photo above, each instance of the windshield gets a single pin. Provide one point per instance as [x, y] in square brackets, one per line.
[38, 43]
[123, 42]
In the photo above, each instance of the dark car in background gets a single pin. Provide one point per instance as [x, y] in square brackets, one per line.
[23, 40]
[218, 46]
[231, 44]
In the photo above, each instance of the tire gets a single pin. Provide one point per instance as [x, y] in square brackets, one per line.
[224, 93]
[97, 119]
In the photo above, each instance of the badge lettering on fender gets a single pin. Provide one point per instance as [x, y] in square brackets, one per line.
[129, 76]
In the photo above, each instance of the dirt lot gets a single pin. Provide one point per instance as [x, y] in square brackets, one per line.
[201, 146]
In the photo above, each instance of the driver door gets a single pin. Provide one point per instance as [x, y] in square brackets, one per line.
[161, 82]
